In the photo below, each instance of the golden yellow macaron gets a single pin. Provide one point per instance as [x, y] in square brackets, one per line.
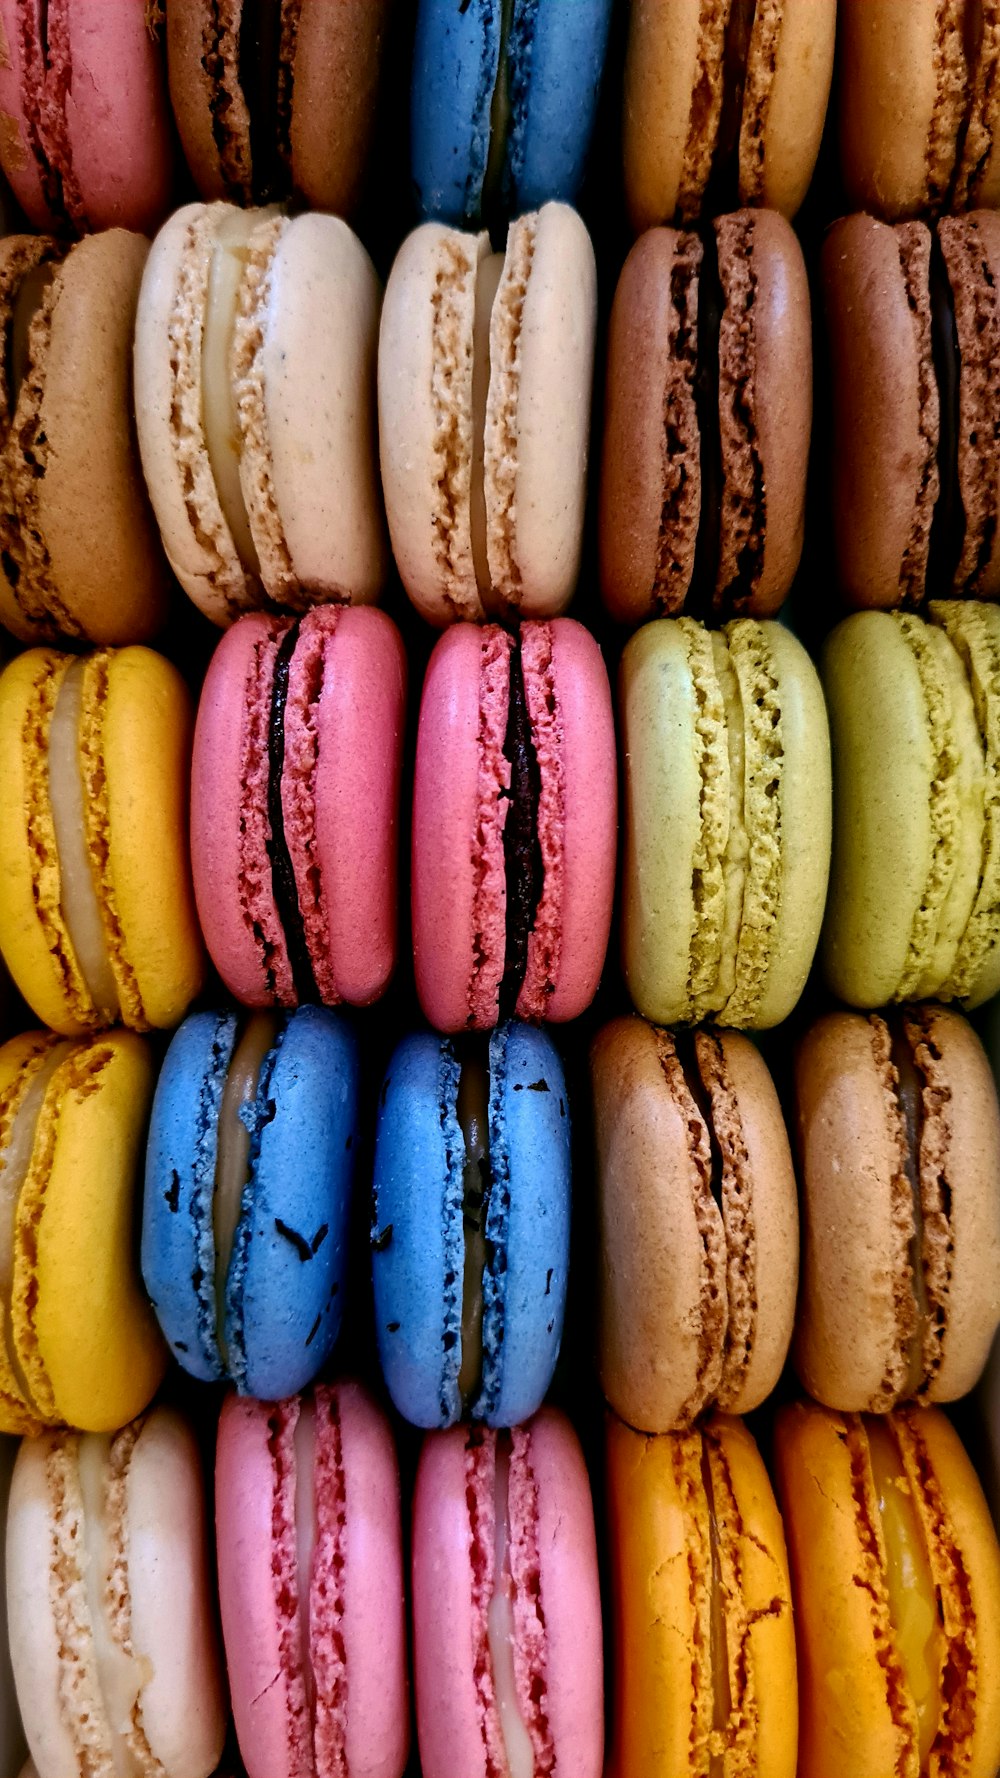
[704, 1645]
[97, 920]
[79, 1340]
[896, 1577]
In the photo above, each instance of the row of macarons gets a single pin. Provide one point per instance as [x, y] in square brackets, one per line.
[851, 1624]
[253, 331]
[735, 825]
[282, 100]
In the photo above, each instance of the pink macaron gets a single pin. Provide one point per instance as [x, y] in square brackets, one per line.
[311, 1585]
[507, 1650]
[294, 805]
[514, 825]
[85, 132]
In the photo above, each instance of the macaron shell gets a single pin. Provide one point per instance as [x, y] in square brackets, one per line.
[790, 77]
[444, 1623]
[455, 59]
[335, 76]
[556, 57]
[374, 1625]
[781, 367]
[192, 88]
[20, 166]
[892, 61]
[660, 76]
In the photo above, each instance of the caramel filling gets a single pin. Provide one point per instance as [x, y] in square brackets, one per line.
[500, 110]
[473, 1115]
[306, 1528]
[120, 1676]
[232, 1159]
[26, 305]
[487, 283]
[78, 898]
[220, 416]
[909, 1094]
[14, 1163]
[500, 1628]
[909, 1582]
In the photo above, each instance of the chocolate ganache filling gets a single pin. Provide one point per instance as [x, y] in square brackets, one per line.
[266, 89]
[723, 185]
[282, 872]
[948, 521]
[910, 1099]
[687, 1045]
[523, 869]
[711, 302]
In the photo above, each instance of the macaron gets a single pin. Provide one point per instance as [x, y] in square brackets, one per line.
[79, 552]
[704, 1644]
[97, 920]
[470, 1225]
[85, 133]
[896, 1582]
[276, 99]
[919, 106]
[914, 325]
[724, 102]
[254, 332]
[899, 1142]
[707, 421]
[698, 1255]
[727, 821]
[249, 1173]
[484, 382]
[109, 1600]
[294, 805]
[81, 1343]
[502, 105]
[307, 1517]
[914, 908]
[507, 1655]
[514, 824]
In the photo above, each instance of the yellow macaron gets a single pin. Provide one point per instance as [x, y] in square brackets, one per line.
[79, 1340]
[97, 920]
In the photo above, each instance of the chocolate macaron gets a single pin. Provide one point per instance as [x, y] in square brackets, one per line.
[709, 409]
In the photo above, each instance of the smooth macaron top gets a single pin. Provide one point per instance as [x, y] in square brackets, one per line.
[110, 1602]
[484, 376]
[899, 1144]
[275, 100]
[727, 821]
[503, 102]
[307, 1513]
[896, 1579]
[249, 1170]
[724, 103]
[704, 1642]
[508, 1661]
[698, 1224]
[707, 422]
[914, 908]
[97, 920]
[470, 1225]
[294, 805]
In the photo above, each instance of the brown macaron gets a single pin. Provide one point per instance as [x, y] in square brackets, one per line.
[919, 105]
[698, 1224]
[79, 550]
[730, 95]
[899, 1147]
[913, 317]
[707, 422]
[275, 97]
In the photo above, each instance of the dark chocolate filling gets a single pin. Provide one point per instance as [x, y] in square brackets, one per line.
[282, 874]
[686, 1045]
[722, 193]
[910, 1098]
[259, 65]
[948, 521]
[711, 303]
[523, 869]
[472, 1110]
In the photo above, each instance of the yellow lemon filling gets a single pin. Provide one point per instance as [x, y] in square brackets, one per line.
[912, 1599]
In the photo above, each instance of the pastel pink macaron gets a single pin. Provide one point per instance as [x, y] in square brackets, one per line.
[85, 131]
[294, 805]
[507, 1647]
[311, 1585]
[514, 825]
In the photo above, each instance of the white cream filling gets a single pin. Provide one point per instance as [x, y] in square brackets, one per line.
[78, 898]
[120, 1677]
[219, 413]
[306, 1528]
[14, 1163]
[500, 1629]
[232, 1156]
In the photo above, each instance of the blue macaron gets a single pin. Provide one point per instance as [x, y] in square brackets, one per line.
[249, 1169]
[503, 102]
[470, 1229]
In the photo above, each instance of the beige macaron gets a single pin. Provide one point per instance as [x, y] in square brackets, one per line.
[255, 384]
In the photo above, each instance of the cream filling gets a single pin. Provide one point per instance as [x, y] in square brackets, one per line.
[500, 1628]
[219, 412]
[14, 1163]
[120, 1677]
[472, 1111]
[909, 1582]
[232, 1158]
[737, 855]
[306, 1530]
[488, 275]
[78, 898]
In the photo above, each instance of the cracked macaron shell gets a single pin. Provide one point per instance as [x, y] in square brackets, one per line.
[696, 1299]
[558, 1659]
[85, 1336]
[850, 1722]
[418, 1241]
[855, 1318]
[284, 1288]
[138, 717]
[661, 1587]
[357, 1607]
